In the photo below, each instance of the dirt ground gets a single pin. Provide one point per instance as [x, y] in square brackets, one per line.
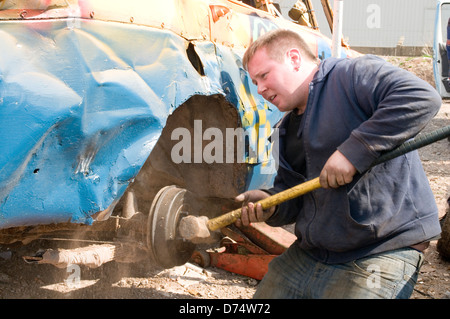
[20, 280]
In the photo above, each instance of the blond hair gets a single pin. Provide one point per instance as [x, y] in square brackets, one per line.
[277, 43]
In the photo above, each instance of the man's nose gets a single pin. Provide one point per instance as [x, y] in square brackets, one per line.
[261, 89]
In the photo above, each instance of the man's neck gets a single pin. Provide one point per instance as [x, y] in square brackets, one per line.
[312, 69]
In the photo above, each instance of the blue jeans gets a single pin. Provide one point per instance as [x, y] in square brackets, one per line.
[295, 275]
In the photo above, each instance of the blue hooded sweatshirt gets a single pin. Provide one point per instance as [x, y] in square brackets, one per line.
[361, 107]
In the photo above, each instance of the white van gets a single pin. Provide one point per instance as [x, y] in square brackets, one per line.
[440, 58]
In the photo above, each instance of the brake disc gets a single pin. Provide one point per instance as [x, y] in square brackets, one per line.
[167, 248]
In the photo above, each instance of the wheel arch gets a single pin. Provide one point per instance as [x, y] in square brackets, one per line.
[214, 185]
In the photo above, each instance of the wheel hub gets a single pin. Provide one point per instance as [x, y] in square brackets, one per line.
[167, 249]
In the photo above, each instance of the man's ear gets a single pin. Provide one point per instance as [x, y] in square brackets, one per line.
[294, 58]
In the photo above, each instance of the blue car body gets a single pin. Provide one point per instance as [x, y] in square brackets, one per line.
[86, 89]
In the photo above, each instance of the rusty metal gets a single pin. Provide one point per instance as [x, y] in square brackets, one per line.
[253, 266]
[312, 14]
[274, 240]
[328, 13]
[248, 253]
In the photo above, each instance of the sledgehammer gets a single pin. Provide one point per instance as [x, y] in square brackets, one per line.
[195, 228]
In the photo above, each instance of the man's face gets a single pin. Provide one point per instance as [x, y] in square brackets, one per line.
[277, 81]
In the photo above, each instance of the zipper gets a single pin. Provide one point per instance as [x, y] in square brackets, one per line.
[307, 236]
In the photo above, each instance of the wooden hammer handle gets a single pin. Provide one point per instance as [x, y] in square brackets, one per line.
[290, 193]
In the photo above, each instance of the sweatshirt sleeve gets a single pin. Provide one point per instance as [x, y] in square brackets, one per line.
[399, 106]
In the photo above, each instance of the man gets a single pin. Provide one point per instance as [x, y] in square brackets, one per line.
[363, 233]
